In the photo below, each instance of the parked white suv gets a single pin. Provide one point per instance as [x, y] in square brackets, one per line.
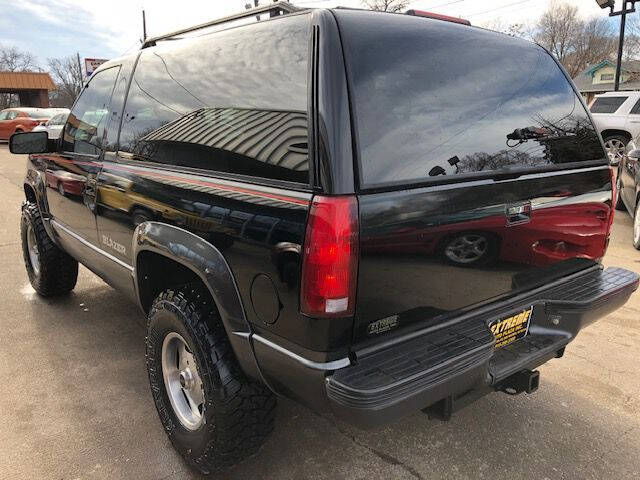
[617, 117]
[54, 125]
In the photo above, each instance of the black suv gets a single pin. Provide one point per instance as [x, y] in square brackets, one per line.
[369, 213]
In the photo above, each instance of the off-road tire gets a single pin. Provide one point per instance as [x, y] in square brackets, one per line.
[238, 412]
[58, 272]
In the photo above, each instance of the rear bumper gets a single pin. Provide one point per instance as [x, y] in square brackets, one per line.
[451, 361]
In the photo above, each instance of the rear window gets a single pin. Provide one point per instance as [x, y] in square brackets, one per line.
[39, 114]
[434, 99]
[233, 102]
[607, 104]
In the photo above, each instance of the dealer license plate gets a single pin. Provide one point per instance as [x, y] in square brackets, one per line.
[511, 329]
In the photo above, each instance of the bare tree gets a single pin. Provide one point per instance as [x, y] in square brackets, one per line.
[631, 49]
[557, 29]
[393, 6]
[68, 76]
[593, 42]
[13, 59]
[576, 42]
[521, 30]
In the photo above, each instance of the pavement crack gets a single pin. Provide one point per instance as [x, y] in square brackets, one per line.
[385, 457]
[596, 364]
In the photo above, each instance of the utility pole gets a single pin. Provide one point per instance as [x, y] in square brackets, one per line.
[144, 27]
[79, 67]
[623, 20]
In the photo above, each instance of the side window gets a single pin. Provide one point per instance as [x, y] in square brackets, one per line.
[3, 115]
[117, 104]
[12, 115]
[234, 101]
[636, 108]
[607, 104]
[85, 127]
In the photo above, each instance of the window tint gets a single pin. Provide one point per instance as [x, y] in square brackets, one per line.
[434, 98]
[85, 127]
[117, 104]
[636, 108]
[233, 101]
[607, 104]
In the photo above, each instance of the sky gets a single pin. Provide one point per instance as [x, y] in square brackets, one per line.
[107, 29]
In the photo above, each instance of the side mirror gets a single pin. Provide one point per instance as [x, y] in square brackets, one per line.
[31, 142]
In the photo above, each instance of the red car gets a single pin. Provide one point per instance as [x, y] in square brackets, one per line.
[14, 120]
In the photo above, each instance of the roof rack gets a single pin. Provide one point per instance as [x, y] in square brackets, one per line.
[274, 9]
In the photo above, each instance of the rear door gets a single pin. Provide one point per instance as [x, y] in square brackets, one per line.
[611, 111]
[480, 171]
[633, 119]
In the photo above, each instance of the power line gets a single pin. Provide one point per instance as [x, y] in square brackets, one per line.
[498, 8]
[137, 42]
[446, 4]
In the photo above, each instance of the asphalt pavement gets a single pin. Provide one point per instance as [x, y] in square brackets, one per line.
[75, 403]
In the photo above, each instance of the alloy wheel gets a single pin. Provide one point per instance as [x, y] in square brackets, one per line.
[32, 246]
[615, 148]
[182, 381]
[467, 248]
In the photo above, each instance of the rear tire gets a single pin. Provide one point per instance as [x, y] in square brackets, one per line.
[233, 415]
[51, 271]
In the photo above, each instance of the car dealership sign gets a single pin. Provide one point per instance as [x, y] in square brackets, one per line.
[91, 64]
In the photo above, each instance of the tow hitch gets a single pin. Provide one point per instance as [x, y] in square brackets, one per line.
[523, 381]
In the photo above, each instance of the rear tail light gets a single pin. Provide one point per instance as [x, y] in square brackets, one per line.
[330, 257]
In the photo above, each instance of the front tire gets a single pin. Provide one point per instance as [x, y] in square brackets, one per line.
[213, 414]
[51, 271]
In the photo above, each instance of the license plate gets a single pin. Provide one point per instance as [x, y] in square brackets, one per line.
[510, 329]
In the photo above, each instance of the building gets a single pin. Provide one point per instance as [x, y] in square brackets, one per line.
[600, 78]
[32, 88]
